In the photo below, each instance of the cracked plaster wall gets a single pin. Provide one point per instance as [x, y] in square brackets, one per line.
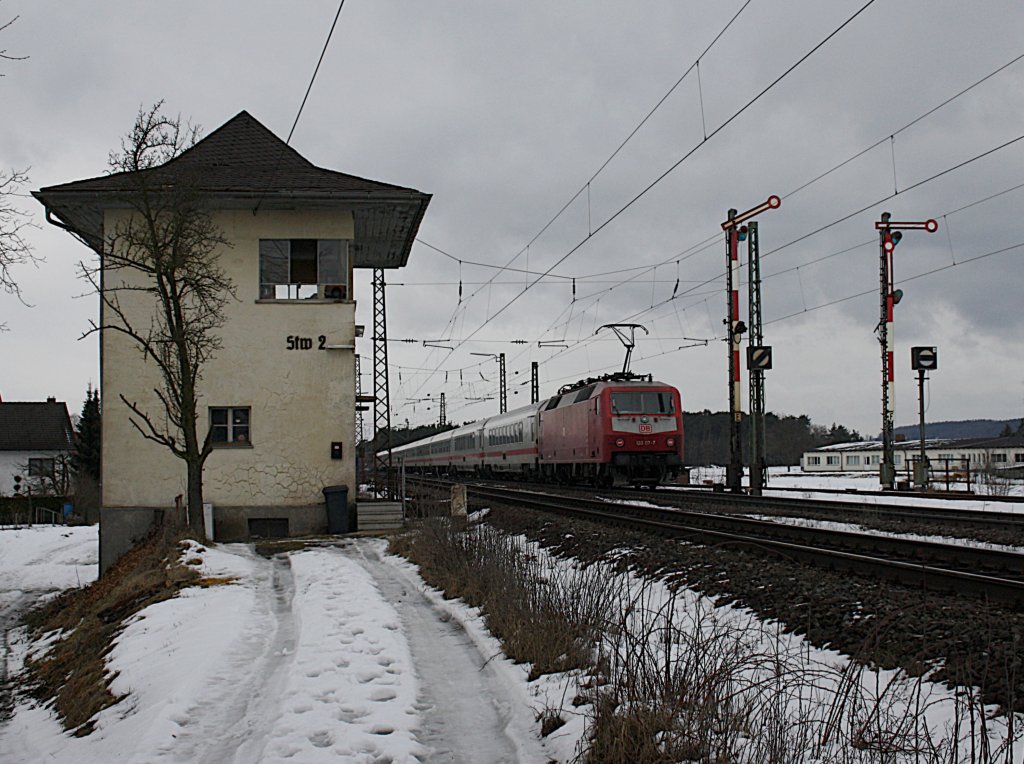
[301, 400]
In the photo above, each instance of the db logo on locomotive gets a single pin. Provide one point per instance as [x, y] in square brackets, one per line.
[646, 428]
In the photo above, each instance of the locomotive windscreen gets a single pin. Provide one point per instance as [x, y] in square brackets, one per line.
[642, 403]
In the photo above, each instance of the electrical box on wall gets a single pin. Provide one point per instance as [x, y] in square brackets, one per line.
[335, 450]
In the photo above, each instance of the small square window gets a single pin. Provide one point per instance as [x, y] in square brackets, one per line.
[229, 426]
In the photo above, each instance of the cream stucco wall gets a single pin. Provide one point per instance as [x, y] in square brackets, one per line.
[301, 400]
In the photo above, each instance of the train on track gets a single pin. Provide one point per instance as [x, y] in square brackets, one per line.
[619, 429]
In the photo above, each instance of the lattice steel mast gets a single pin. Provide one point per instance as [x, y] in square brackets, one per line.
[381, 399]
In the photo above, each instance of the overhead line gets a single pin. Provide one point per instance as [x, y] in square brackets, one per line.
[586, 185]
[302, 106]
[686, 156]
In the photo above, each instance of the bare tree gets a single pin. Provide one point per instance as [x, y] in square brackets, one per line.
[163, 288]
[14, 249]
[3, 52]
[48, 476]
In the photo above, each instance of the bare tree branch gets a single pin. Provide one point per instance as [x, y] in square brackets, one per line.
[164, 255]
[3, 53]
[151, 431]
[14, 248]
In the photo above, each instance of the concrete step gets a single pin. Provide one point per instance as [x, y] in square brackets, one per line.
[379, 516]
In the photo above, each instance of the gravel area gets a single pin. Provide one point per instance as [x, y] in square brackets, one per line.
[950, 638]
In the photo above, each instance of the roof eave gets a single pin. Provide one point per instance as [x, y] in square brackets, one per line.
[81, 213]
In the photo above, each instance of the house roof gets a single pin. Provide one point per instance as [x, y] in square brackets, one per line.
[240, 165]
[35, 426]
[1012, 441]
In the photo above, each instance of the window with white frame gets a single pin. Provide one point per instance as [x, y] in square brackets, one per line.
[303, 269]
[833, 460]
[897, 459]
[230, 426]
[998, 458]
[1018, 458]
[814, 460]
[853, 460]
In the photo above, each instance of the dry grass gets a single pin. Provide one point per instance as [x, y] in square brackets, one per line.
[71, 675]
[548, 616]
[666, 678]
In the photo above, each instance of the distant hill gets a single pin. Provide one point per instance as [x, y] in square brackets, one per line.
[968, 428]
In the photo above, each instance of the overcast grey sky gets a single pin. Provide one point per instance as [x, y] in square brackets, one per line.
[506, 111]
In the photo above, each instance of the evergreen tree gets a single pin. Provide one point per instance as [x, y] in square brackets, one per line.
[86, 457]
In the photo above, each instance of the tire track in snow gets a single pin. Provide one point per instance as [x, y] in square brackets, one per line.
[231, 723]
[468, 716]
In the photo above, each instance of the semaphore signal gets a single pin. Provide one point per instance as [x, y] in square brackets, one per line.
[889, 234]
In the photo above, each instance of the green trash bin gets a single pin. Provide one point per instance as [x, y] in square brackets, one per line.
[339, 518]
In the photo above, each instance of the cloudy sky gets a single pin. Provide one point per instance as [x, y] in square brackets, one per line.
[516, 115]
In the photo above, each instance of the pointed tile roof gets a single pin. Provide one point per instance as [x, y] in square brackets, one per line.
[243, 164]
[35, 426]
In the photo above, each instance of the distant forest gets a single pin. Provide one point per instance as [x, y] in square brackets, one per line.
[707, 437]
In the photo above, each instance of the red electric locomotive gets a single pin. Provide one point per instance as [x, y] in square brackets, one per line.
[618, 429]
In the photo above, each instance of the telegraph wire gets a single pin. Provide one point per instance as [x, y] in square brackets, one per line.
[886, 198]
[677, 163]
[931, 272]
[586, 186]
[718, 276]
[302, 106]
[644, 269]
[907, 126]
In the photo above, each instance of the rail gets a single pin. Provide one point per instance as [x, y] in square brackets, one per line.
[926, 565]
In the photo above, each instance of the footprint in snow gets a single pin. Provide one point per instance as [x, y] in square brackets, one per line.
[322, 739]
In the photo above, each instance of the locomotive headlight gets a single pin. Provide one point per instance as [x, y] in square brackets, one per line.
[644, 420]
[620, 442]
[670, 442]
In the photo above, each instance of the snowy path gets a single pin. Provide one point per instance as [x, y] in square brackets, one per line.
[229, 721]
[468, 716]
[330, 654]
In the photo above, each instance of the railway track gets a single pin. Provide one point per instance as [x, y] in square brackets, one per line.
[993, 575]
[840, 511]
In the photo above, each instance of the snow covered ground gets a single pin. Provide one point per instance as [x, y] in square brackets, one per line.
[333, 654]
[342, 653]
[809, 485]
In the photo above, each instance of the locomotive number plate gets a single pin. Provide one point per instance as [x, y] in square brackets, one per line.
[646, 428]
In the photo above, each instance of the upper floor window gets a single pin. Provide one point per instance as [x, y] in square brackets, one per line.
[302, 269]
